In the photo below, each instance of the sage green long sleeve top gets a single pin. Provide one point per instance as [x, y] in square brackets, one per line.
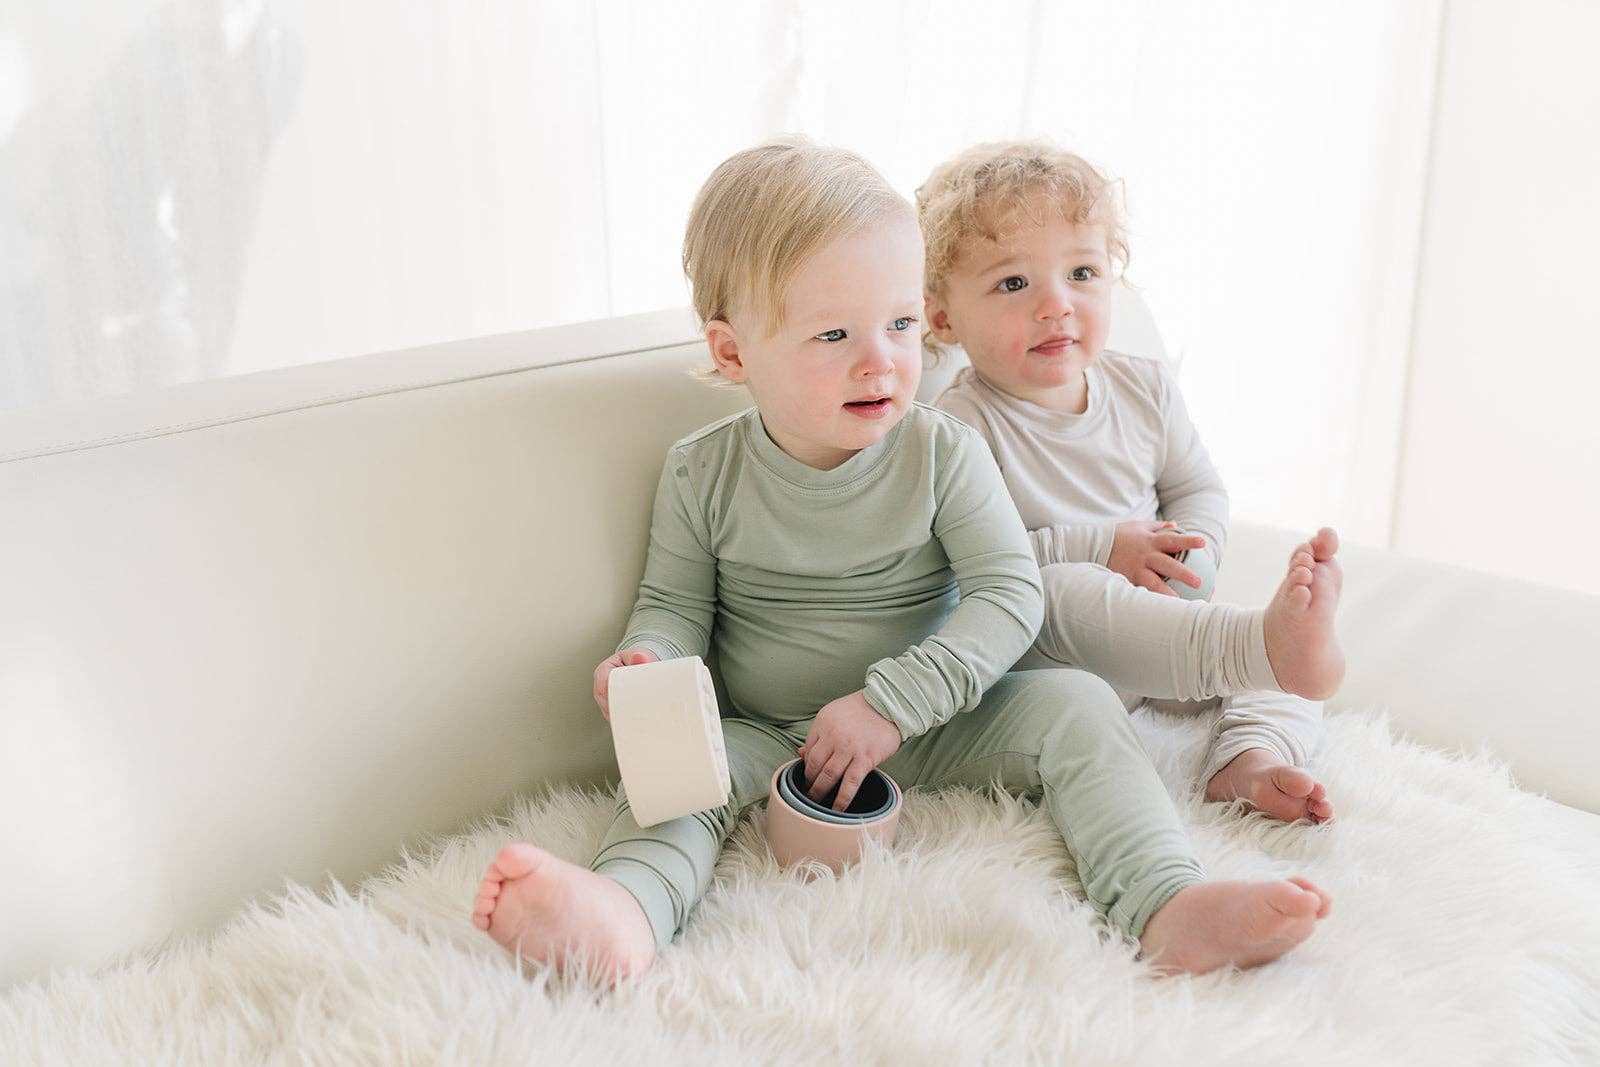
[905, 571]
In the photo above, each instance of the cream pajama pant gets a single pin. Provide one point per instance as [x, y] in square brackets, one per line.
[1186, 656]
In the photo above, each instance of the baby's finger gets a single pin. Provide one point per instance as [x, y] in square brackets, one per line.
[1168, 567]
[1171, 541]
[853, 777]
[1152, 581]
[828, 777]
[816, 757]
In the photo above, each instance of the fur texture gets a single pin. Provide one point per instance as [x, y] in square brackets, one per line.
[1462, 932]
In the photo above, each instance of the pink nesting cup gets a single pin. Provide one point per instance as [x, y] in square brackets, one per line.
[800, 829]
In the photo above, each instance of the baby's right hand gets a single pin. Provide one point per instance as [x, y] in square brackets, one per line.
[628, 657]
[1142, 552]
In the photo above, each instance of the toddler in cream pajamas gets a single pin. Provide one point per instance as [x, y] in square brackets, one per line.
[1097, 450]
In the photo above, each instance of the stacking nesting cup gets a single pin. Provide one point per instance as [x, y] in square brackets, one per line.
[668, 737]
[799, 828]
[1199, 561]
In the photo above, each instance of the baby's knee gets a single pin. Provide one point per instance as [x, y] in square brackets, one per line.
[1078, 600]
[1076, 590]
[1066, 695]
[1089, 715]
[1080, 688]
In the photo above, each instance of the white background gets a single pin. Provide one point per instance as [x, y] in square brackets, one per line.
[1365, 229]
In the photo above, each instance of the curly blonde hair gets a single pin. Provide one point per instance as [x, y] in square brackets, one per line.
[765, 211]
[985, 190]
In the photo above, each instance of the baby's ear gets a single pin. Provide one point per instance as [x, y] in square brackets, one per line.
[724, 345]
[938, 319]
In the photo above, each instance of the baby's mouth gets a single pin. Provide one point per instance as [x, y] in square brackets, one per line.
[872, 406]
[1056, 346]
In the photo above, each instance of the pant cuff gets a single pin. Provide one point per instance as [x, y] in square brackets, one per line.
[1258, 672]
[652, 892]
[1133, 910]
[1226, 748]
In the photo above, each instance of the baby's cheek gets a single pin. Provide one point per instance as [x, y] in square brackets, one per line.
[998, 355]
[1018, 350]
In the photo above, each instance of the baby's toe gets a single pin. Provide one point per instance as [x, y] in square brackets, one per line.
[1325, 544]
[1326, 901]
[1293, 782]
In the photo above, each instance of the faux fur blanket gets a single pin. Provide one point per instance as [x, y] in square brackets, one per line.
[1464, 931]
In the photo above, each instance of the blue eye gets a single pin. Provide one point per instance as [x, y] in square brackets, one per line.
[903, 324]
[831, 335]
[1006, 285]
[1084, 274]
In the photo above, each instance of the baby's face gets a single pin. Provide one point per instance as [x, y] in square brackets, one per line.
[844, 367]
[1032, 312]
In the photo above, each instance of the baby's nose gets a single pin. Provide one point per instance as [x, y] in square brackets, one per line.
[875, 361]
[1055, 302]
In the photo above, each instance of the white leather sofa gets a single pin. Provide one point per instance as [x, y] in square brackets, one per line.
[277, 626]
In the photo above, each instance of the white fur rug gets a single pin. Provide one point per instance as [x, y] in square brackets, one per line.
[1464, 930]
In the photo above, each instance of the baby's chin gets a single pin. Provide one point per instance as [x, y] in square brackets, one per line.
[1058, 369]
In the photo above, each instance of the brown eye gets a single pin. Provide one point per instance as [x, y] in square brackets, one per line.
[1012, 284]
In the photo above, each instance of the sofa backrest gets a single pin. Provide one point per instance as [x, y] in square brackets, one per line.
[272, 626]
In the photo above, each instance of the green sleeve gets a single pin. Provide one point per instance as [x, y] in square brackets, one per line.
[1002, 600]
[678, 593]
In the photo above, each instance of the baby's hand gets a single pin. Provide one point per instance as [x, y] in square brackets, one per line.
[1142, 552]
[628, 657]
[847, 739]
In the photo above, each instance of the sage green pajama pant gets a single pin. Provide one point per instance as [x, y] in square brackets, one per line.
[1060, 734]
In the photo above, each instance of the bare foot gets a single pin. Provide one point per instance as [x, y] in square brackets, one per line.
[552, 911]
[1301, 645]
[1266, 783]
[1231, 924]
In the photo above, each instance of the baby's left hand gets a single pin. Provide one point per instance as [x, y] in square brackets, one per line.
[848, 738]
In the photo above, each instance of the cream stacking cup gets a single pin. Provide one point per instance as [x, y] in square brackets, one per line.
[668, 736]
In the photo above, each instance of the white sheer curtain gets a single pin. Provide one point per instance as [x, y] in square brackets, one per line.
[197, 188]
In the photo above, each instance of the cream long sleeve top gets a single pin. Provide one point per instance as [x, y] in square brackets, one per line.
[1133, 454]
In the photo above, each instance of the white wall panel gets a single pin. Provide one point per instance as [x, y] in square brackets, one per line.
[1501, 461]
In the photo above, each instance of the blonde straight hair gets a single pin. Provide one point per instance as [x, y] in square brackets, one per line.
[764, 212]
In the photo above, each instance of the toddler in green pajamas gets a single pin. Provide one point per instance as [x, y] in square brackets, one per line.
[855, 561]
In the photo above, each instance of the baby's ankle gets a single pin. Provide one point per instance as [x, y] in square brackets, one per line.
[1231, 780]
